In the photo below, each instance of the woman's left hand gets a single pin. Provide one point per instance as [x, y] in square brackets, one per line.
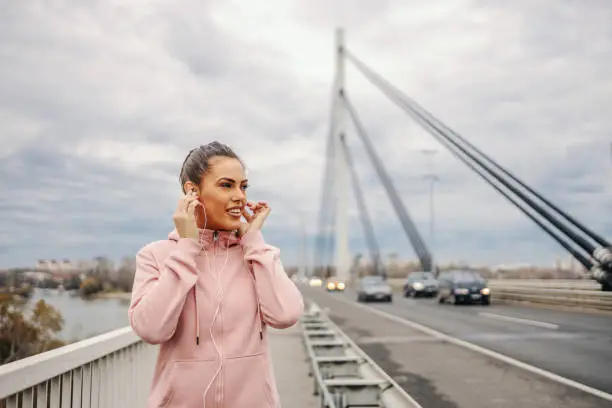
[260, 212]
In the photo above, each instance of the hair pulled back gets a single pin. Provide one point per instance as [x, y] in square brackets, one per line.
[197, 161]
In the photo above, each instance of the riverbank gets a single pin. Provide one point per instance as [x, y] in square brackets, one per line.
[84, 318]
[112, 295]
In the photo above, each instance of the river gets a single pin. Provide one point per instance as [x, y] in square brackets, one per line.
[84, 318]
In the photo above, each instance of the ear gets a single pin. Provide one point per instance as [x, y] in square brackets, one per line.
[190, 186]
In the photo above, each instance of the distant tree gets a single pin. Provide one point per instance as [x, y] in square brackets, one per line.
[125, 274]
[103, 268]
[48, 283]
[22, 336]
[72, 283]
[47, 322]
[90, 286]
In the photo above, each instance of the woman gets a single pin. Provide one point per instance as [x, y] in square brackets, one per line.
[208, 292]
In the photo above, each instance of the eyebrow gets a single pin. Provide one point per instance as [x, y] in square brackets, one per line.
[232, 180]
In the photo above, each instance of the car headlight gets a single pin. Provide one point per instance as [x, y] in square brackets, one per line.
[340, 285]
[462, 291]
[418, 286]
[330, 285]
[485, 291]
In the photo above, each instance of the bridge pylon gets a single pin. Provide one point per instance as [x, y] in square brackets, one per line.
[342, 261]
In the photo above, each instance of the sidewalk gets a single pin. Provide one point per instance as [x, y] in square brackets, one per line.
[291, 369]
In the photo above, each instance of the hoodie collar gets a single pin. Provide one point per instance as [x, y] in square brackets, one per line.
[207, 237]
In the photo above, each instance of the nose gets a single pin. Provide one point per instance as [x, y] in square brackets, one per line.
[239, 196]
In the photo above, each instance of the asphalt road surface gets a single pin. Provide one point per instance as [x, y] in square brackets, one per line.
[438, 373]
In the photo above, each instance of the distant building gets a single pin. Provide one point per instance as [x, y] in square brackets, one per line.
[568, 263]
[56, 267]
[511, 267]
[37, 275]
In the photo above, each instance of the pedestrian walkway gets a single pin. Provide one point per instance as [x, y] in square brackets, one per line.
[291, 369]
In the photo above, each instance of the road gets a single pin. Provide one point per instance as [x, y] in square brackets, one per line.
[441, 374]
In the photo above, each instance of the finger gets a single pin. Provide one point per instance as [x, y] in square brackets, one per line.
[184, 205]
[188, 204]
[262, 213]
[198, 202]
[259, 206]
[258, 222]
[265, 212]
[190, 197]
[247, 216]
[191, 207]
[263, 207]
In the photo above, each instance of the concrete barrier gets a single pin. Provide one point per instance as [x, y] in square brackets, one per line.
[581, 293]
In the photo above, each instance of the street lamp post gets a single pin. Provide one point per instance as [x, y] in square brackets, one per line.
[303, 267]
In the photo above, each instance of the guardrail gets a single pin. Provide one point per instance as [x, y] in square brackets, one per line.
[555, 297]
[110, 370]
[578, 293]
[344, 376]
[572, 284]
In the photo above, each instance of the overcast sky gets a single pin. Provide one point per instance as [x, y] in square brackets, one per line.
[101, 100]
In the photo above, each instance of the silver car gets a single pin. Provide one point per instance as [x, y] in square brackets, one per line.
[421, 284]
[374, 288]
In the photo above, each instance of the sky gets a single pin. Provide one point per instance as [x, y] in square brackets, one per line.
[100, 101]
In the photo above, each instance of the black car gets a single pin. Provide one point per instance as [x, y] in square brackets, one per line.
[420, 284]
[463, 286]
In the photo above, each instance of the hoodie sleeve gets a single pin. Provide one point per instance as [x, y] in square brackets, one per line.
[281, 301]
[159, 293]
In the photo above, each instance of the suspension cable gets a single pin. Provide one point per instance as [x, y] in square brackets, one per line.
[366, 221]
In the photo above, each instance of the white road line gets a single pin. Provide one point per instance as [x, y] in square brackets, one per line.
[396, 339]
[519, 320]
[481, 350]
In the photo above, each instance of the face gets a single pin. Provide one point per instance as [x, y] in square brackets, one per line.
[223, 194]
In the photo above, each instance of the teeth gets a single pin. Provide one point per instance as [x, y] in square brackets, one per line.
[236, 211]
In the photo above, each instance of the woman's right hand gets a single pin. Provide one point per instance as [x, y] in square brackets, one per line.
[184, 217]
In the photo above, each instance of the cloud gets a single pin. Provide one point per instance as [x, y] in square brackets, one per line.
[100, 102]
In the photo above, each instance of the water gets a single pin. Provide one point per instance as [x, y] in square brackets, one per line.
[84, 318]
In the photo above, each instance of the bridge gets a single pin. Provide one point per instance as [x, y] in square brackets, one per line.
[589, 248]
[409, 353]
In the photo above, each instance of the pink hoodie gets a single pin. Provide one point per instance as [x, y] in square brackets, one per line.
[207, 304]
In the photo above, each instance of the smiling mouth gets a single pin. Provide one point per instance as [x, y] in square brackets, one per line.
[235, 212]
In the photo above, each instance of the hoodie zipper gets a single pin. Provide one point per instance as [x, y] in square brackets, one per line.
[261, 322]
[220, 282]
[259, 311]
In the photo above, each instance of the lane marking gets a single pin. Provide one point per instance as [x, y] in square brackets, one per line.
[519, 320]
[547, 335]
[395, 339]
[478, 349]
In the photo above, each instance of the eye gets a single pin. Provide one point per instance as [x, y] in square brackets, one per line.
[245, 186]
[226, 185]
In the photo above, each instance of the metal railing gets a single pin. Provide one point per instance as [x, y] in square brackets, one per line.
[575, 298]
[344, 376]
[574, 293]
[107, 371]
[570, 284]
